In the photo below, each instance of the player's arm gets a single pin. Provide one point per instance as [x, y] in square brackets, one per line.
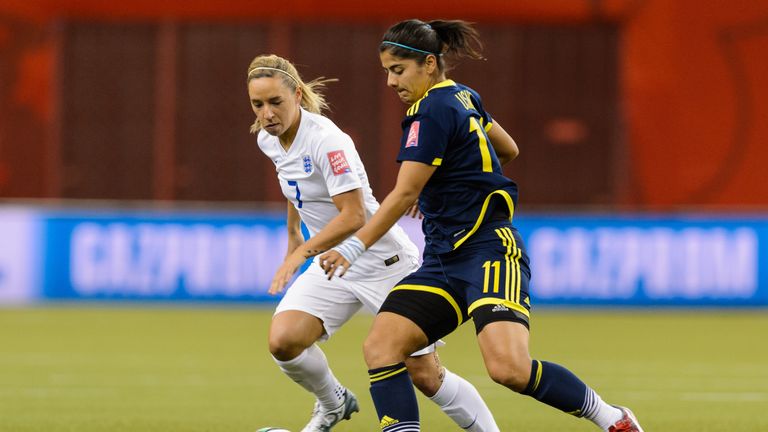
[295, 236]
[350, 218]
[505, 147]
[410, 181]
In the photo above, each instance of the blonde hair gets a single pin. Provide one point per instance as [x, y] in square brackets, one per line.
[270, 65]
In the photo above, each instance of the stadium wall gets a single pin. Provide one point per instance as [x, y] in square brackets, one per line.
[690, 87]
[111, 254]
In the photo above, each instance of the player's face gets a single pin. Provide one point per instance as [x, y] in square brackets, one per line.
[276, 106]
[407, 77]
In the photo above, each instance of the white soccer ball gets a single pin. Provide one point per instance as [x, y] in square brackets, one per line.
[272, 429]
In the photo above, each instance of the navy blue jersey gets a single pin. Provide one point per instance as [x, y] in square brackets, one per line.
[447, 128]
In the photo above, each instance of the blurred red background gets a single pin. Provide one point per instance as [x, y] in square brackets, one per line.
[641, 104]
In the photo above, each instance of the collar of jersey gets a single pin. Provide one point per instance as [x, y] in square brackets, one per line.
[441, 84]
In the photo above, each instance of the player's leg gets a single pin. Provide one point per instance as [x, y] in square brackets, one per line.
[502, 322]
[313, 309]
[391, 340]
[417, 312]
[455, 396]
[292, 337]
[504, 346]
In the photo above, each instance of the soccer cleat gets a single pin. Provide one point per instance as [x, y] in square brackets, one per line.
[628, 422]
[324, 421]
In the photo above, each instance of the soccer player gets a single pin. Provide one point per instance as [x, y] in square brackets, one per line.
[327, 188]
[475, 264]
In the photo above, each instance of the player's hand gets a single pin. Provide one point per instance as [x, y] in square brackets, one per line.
[413, 211]
[334, 263]
[286, 271]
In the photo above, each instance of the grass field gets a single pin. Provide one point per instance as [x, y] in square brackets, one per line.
[99, 368]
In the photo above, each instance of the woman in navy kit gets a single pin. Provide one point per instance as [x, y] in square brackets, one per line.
[475, 264]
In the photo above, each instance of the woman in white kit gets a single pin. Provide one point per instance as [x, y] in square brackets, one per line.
[323, 178]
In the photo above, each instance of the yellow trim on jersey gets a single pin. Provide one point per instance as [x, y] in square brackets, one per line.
[415, 107]
[386, 374]
[497, 301]
[480, 218]
[437, 161]
[434, 290]
[486, 126]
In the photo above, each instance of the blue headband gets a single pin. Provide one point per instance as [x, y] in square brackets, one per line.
[409, 47]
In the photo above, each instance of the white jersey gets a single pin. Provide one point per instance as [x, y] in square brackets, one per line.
[322, 162]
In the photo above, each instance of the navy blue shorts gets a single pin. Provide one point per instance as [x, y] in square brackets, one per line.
[486, 278]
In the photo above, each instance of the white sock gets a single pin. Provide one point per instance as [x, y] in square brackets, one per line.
[310, 370]
[601, 414]
[463, 404]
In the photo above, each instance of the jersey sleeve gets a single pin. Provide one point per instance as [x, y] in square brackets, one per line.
[485, 118]
[336, 158]
[426, 136]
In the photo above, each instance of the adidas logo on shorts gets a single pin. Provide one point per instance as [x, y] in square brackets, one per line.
[500, 308]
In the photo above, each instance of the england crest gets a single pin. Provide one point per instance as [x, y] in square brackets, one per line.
[307, 164]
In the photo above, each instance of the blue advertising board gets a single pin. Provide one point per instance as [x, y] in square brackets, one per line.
[576, 259]
[165, 256]
[647, 260]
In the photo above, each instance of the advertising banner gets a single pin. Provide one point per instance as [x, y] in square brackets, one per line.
[645, 260]
[18, 256]
[174, 256]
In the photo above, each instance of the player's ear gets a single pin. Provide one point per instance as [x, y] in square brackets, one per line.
[431, 63]
[298, 95]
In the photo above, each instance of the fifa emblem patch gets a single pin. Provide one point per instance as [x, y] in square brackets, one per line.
[339, 163]
[413, 135]
[307, 163]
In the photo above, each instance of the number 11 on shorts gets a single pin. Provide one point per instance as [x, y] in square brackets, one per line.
[496, 270]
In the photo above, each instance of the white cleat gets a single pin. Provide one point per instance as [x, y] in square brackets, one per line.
[324, 421]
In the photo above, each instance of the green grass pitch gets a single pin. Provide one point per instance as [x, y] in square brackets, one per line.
[170, 368]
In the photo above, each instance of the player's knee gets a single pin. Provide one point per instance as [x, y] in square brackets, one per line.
[509, 374]
[373, 352]
[284, 346]
[379, 351]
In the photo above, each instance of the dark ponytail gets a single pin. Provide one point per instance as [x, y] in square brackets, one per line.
[417, 39]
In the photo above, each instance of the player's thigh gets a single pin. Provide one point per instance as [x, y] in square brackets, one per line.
[505, 351]
[493, 271]
[425, 298]
[373, 290]
[332, 302]
[391, 340]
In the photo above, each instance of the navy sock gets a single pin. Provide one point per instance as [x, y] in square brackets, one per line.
[558, 387]
[395, 400]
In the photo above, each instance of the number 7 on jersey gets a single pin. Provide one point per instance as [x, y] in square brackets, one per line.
[298, 192]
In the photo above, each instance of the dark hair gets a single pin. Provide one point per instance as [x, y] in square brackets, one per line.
[439, 37]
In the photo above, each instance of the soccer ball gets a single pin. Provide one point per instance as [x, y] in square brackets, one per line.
[272, 429]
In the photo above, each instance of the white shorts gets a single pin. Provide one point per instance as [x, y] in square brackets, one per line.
[335, 301]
